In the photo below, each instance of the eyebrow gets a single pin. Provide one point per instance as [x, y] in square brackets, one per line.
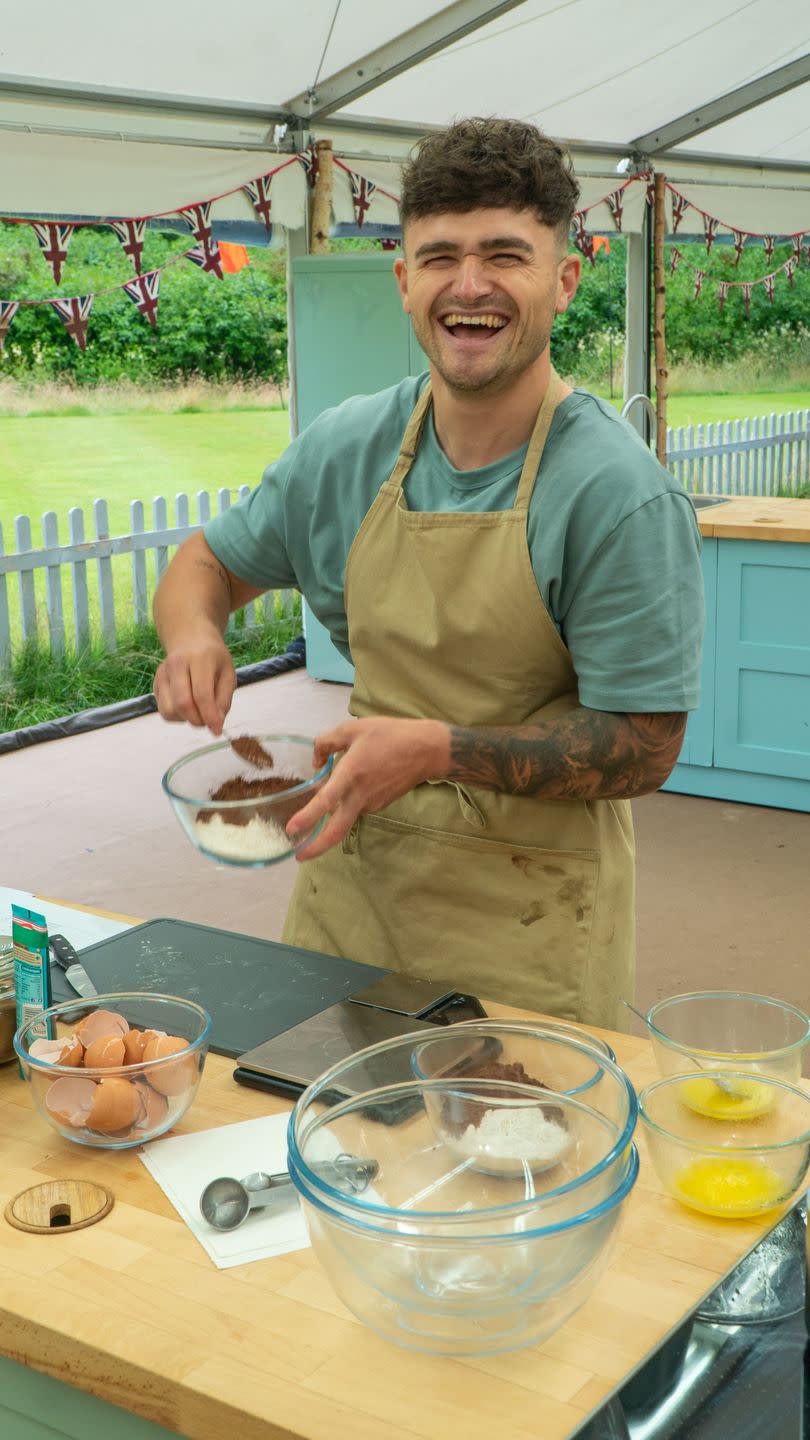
[499, 242]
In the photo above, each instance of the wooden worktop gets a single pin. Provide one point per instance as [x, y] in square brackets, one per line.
[132, 1309]
[756, 518]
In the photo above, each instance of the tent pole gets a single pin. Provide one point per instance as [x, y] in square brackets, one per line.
[637, 325]
[659, 334]
[297, 245]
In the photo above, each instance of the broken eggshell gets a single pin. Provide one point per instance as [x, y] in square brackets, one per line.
[116, 1105]
[170, 1079]
[104, 1053]
[99, 1023]
[70, 1099]
[66, 1051]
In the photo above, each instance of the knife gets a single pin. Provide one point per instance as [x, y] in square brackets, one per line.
[63, 953]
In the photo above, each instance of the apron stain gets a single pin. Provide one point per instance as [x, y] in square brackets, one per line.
[535, 912]
[521, 862]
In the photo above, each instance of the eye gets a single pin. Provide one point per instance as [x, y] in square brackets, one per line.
[434, 262]
[505, 257]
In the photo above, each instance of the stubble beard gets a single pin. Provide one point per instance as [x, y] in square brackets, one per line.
[493, 383]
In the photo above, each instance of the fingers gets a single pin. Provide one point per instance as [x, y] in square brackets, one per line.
[336, 828]
[198, 689]
[332, 742]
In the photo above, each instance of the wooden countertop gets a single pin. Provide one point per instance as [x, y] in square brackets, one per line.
[132, 1309]
[756, 518]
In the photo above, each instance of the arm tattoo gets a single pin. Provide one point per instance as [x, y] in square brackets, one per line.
[217, 569]
[581, 755]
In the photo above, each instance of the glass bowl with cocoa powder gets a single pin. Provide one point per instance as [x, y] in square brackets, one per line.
[235, 798]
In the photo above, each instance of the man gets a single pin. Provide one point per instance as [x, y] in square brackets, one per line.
[517, 582]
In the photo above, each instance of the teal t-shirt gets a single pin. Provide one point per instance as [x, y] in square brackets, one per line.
[613, 538]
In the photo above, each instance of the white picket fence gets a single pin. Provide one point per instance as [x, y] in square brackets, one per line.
[763, 456]
[740, 457]
[54, 557]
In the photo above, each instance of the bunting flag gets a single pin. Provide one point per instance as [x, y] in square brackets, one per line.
[615, 204]
[8, 309]
[130, 233]
[199, 218]
[198, 255]
[746, 288]
[582, 239]
[144, 291]
[739, 242]
[790, 269]
[650, 197]
[768, 283]
[700, 276]
[362, 191]
[768, 242]
[798, 248]
[232, 258]
[680, 205]
[309, 160]
[722, 292]
[388, 244]
[710, 231]
[53, 242]
[75, 314]
[673, 259]
[258, 193]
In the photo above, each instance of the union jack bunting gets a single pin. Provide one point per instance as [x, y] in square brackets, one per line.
[651, 190]
[362, 191]
[790, 269]
[739, 242]
[674, 258]
[75, 314]
[768, 242]
[746, 287]
[388, 244]
[53, 242]
[797, 247]
[309, 160]
[144, 291]
[710, 231]
[615, 204]
[582, 239]
[700, 276]
[130, 233]
[680, 205]
[722, 292]
[258, 193]
[768, 283]
[198, 255]
[199, 218]
[8, 309]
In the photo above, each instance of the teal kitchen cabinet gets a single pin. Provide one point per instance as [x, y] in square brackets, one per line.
[750, 739]
[352, 338]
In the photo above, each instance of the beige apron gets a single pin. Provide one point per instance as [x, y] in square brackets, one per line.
[519, 899]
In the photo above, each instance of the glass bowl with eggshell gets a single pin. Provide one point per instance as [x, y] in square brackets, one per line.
[116, 1071]
[235, 798]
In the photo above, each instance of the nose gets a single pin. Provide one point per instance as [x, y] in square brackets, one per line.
[470, 281]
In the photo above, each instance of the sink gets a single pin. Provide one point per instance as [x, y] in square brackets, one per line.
[702, 502]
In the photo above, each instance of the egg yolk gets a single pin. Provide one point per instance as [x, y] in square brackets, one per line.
[733, 1187]
[750, 1099]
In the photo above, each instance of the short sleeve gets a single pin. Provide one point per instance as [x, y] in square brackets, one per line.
[250, 538]
[635, 624]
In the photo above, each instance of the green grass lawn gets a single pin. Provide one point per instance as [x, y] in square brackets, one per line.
[55, 462]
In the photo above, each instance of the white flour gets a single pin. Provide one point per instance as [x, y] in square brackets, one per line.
[258, 840]
[519, 1134]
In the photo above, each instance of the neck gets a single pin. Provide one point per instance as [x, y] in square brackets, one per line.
[477, 428]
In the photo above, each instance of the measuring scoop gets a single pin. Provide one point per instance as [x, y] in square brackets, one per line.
[226, 1203]
[727, 1086]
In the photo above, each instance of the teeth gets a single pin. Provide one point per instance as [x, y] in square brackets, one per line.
[491, 322]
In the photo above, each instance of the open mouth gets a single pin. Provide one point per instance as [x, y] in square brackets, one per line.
[475, 329]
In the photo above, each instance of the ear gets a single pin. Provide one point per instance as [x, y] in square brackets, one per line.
[401, 272]
[570, 273]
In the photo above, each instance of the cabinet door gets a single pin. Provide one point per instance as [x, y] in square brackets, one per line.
[698, 742]
[763, 658]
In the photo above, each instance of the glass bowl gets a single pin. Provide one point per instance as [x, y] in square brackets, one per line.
[725, 1029]
[109, 1103]
[250, 830]
[436, 1254]
[733, 1169]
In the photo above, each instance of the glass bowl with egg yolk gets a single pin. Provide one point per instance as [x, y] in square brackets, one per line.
[733, 1165]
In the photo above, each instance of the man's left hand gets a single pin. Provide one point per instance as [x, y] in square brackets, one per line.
[381, 759]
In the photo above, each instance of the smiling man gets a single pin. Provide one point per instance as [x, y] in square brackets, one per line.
[517, 582]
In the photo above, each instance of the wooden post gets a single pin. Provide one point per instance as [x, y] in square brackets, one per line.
[659, 330]
[321, 208]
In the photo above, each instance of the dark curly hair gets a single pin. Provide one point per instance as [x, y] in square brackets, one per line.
[480, 162]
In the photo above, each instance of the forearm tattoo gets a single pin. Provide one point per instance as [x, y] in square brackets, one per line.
[583, 755]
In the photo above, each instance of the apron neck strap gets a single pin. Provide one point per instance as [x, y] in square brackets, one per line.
[410, 440]
[537, 443]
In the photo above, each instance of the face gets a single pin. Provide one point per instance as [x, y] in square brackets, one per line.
[482, 289]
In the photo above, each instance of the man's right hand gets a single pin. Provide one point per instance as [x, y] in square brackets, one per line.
[196, 683]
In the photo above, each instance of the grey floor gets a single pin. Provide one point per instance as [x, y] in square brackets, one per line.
[722, 888]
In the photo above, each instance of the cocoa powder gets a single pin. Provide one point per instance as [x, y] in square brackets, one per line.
[461, 1111]
[238, 788]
